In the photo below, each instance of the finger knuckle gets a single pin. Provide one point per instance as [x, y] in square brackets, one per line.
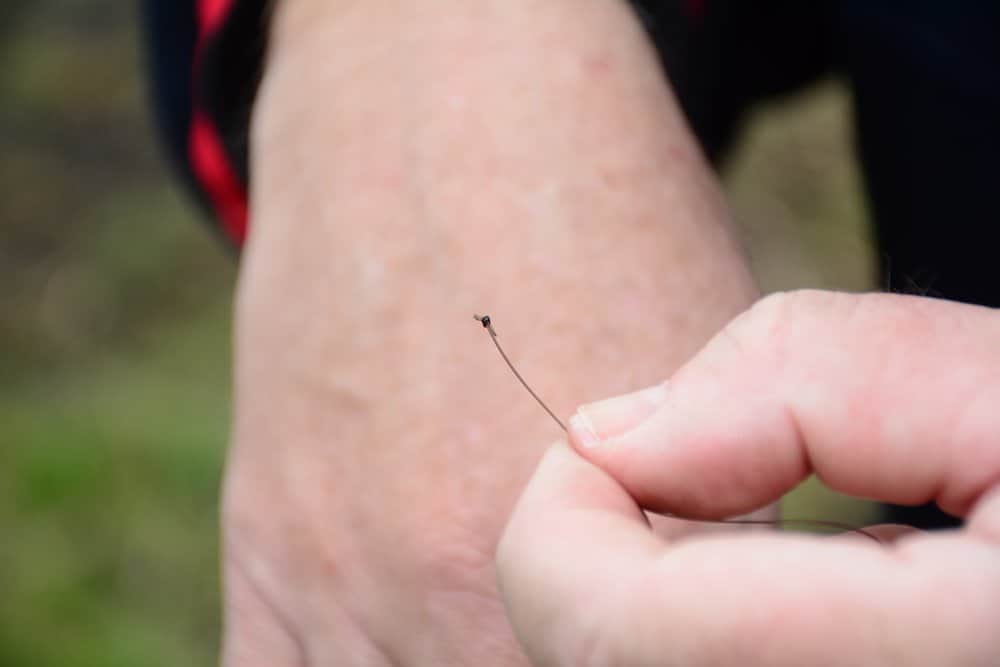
[782, 316]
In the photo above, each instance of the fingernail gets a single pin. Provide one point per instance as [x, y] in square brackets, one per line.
[594, 423]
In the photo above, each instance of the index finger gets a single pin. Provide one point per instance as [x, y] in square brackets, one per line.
[882, 396]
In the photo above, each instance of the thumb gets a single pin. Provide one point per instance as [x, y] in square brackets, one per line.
[883, 396]
[673, 450]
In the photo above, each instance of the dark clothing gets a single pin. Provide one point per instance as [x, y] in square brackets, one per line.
[206, 58]
[925, 76]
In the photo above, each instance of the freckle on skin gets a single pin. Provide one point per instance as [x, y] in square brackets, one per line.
[597, 65]
[675, 153]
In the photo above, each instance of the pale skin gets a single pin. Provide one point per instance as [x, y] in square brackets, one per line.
[882, 396]
[414, 163]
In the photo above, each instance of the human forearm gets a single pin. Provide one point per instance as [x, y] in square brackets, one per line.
[530, 149]
[413, 164]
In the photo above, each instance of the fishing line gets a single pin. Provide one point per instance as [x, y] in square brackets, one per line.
[833, 525]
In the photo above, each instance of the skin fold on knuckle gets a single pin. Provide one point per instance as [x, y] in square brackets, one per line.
[763, 331]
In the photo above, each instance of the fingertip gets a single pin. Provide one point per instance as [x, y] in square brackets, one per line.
[603, 421]
[703, 452]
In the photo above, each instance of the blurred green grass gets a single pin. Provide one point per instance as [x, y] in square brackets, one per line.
[114, 337]
[109, 501]
[114, 359]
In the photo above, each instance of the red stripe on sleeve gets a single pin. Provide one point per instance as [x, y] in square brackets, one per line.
[206, 151]
[211, 13]
[212, 169]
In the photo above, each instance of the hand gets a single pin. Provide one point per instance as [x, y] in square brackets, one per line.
[882, 396]
[413, 163]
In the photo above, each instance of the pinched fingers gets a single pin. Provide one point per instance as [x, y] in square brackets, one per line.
[586, 582]
[882, 396]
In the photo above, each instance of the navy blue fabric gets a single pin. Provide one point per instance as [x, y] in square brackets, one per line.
[228, 73]
[170, 32]
[927, 103]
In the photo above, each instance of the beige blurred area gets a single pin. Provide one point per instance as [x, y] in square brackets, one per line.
[796, 192]
[114, 335]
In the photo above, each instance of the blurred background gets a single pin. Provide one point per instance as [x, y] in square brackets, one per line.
[114, 336]
[114, 357]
